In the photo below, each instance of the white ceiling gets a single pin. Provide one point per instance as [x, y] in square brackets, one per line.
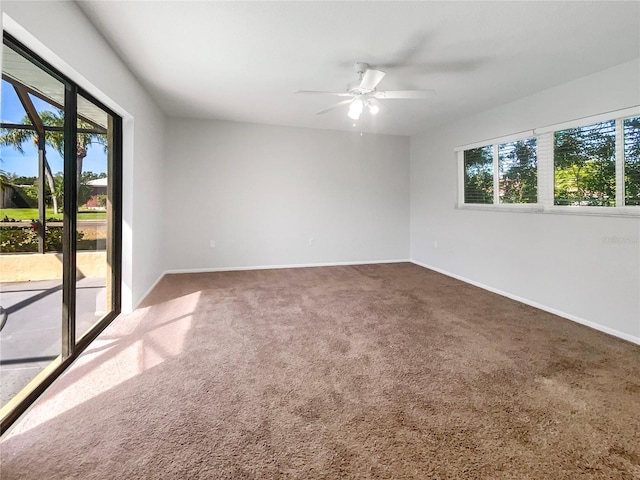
[242, 61]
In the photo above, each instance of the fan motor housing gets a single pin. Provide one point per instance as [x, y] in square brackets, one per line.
[360, 67]
[354, 89]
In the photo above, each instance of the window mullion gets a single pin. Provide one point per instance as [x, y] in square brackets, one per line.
[545, 169]
[69, 245]
[620, 163]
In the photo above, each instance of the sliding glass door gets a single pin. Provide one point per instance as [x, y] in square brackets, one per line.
[31, 228]
[60, 217]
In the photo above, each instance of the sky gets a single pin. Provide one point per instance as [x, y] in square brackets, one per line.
[12, 161]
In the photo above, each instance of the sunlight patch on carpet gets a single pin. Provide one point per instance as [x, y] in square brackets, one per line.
[131, 345]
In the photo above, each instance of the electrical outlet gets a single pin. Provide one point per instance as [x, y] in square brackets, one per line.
[311, 240]
[435, 244]
[212, 243]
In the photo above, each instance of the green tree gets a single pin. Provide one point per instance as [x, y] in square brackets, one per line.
[84, 141]
[518, 172]
[584, 160]
[14, 137]
[632, 161]
[88, 176]
[58, 189]
[478, 175]
[54, 139]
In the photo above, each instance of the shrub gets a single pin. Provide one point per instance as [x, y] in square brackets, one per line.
[25, 239]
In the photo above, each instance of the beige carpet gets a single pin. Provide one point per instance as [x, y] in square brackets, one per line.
[378, 371]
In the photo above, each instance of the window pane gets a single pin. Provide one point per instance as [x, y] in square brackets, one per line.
[478, 175]
[632, 161]
[585, 165]
[517, 162]
[31, 226]
[93, 265]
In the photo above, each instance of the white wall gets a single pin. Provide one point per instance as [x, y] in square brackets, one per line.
[564, 263]
[263, 192]
[60, 33]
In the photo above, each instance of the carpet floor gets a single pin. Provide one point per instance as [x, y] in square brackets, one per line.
[374, 371]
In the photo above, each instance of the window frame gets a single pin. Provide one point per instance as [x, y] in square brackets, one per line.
[545, 169]
[495, 143]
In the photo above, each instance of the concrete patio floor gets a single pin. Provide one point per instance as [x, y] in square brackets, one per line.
[32, 335]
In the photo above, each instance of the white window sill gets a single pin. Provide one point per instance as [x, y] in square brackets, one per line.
[633, 212]
[503, 207]
[597, 211]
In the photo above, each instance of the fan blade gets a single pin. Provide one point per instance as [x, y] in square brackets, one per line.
[339, 94]
[411, 50]
[339, 104]
[371, 79]
[399, 94]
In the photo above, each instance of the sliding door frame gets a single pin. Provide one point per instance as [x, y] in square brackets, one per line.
[72, 348]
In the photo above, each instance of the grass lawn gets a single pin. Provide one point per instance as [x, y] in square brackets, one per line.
[32, 214]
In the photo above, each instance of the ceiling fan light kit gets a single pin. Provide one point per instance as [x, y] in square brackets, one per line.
[366, 93]
[355, 109]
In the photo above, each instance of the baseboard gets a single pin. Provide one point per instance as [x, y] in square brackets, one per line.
[146, 294]
[568, 316]
[261, 267]
[277, 267]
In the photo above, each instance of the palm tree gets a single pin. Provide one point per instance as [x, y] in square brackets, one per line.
[55, 139]
[16, 137]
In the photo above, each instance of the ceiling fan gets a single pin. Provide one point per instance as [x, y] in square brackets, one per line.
[366, 94]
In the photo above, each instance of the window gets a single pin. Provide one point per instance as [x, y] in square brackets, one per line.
[518, 170]
[632, 161]
[501, 173]
[593, 164]
[478, 175]
[584, 161]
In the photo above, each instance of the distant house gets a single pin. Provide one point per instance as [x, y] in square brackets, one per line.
[98, 186]
[97, 199]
